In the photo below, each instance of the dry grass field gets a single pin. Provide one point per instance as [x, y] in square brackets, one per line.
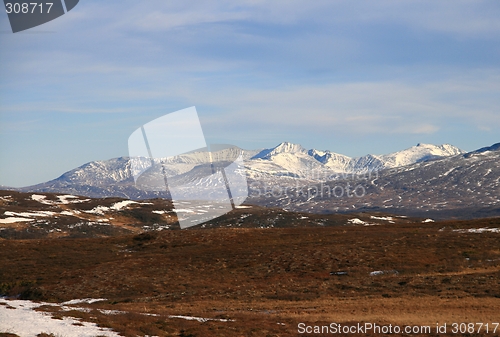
[264, 282]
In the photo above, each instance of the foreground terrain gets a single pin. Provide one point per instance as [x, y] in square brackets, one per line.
[264, 281]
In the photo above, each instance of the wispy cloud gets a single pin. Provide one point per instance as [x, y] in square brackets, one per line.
[375, 107]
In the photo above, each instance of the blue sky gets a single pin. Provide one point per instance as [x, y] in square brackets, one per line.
[351, 77]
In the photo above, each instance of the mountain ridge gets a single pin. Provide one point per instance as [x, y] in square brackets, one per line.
[437, 178]
[460, 186]
[284, 154]
[285, 159]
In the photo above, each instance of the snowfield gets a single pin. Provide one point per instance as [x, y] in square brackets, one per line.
[14, 219]
[357, 221]
[19, 317]
[478, 230]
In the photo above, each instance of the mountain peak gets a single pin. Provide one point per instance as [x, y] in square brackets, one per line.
[419, 153]
[285, 147]
[289, 147]
[494, 147]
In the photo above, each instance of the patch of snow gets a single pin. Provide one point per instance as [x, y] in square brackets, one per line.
[71, 213]
[386, 218]
[28, 214]
[20, 318]
[382, 272]
[111, 312]
[428, 220]
[14, 219]
[200, 319]
[242, 206]
[356, 221]
[63, 198]
[447, 172]
[41, 199]
[119, 205]
[98, 210]
[478, 230]
[183, 210]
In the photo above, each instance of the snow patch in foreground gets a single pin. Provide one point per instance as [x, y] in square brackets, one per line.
[385, 218]
[20, 318]
[84, 300]
[30, 214]
[119, 205]
[357, 221]
[200, 319]
[40, 199]
[478, 230]
[14, 219]
[384, 272]
[160, 212]
[63, 199]
[100, 210]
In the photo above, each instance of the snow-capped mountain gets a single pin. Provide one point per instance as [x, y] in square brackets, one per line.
[280, 149]
[293, 160]
[113, 177]
[463, 185]
[419, 153]
[419, 178]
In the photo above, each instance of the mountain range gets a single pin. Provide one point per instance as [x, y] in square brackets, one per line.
[421, 179]
[465, 185]
[289, 159]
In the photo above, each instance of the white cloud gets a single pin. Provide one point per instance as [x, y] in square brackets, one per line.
[464, 18]
[373, 107]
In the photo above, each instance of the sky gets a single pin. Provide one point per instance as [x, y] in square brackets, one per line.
[352, 77]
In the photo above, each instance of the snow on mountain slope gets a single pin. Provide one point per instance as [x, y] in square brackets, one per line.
[285, 161]
[284, 147]
[484, 150]
[99, 172]
[299, 162]
[299, 165]
[419, 153]
[463, 186]
[334, 161]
